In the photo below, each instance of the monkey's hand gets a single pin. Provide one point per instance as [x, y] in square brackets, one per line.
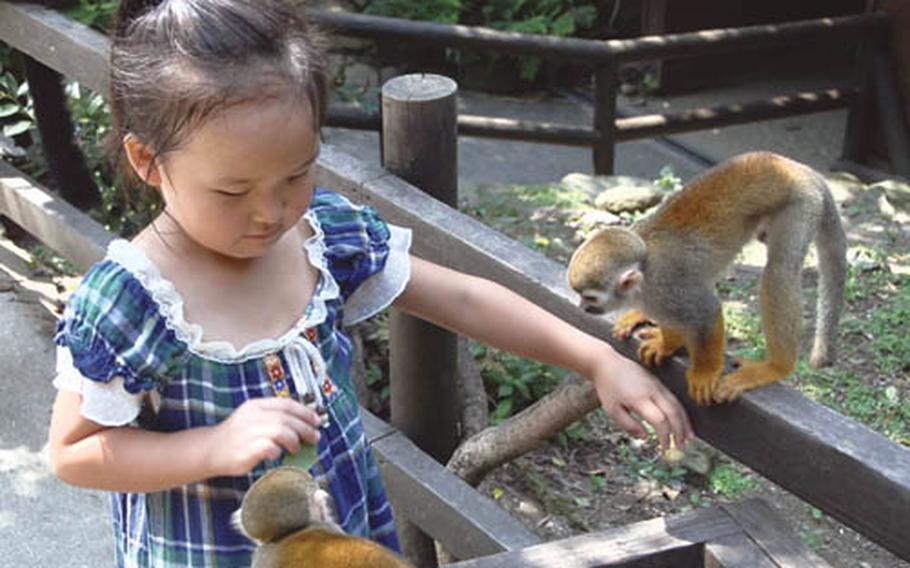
[627, 323]
[657, 344]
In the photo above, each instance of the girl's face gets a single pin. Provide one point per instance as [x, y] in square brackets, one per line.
[242, 179]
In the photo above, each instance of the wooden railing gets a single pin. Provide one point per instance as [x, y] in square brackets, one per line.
[845, 469]
[604, 56]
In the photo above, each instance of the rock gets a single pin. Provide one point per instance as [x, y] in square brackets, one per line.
[898, 193]
[615, 194]
[628, 199]
[844, 185]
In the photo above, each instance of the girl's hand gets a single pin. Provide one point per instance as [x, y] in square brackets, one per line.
[624, 387]
[260, 429]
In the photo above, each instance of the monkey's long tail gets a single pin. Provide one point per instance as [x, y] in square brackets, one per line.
[831, 245]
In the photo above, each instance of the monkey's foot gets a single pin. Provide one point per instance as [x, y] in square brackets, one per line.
[749, 375]
[627, 323]
[655, 347]
[701, 387]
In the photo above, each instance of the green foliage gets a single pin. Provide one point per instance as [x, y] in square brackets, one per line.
[440, 11]
[884, 408]
[729, 482]
[124, 209]
[17, 114]
[560, 18]
[43, 259]
[888, 328]
[513, 382]
[98, 14]
[652, 468]
[668, 180]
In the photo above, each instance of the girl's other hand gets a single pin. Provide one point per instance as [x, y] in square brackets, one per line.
[624, 388]
[258, 430]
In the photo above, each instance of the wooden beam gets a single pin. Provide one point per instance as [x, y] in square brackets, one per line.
[803, 446]
[672, 541]
[62, 44]
[595, 52]
[735, 551]
[467, 523]
[56, 223]
[772, 535]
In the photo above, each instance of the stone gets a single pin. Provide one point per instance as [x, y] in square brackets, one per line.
[615, 194]
[628, 198]
[898, 193]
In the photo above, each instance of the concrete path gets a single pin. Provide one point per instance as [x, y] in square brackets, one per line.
[43, 522]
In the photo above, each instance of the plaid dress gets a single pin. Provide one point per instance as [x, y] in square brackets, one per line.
[122, 337]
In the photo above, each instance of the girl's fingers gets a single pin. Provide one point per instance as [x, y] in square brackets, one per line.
[654, 416]
[626, 421]
[679, 420]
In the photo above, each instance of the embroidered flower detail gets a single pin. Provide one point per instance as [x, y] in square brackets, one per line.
[275, 371]
[327, 387]
[311, 334]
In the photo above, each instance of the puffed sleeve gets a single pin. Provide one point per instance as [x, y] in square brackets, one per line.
[367, 257]
[113, 345]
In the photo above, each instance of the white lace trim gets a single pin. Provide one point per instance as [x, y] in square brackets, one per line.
[170, 303]
[107, 404]
[377, 292]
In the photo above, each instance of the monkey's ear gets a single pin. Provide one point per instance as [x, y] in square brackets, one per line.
[630, 279]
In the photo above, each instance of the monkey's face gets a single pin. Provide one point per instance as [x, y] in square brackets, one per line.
[605, 270]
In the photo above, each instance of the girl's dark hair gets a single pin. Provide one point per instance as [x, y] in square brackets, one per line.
[174, 63]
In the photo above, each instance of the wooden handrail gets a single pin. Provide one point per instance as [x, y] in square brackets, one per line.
[596, 52]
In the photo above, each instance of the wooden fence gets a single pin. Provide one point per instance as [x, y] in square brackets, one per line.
[874, 83]
[843, 468]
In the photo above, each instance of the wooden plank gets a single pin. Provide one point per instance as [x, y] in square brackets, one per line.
[673, 541]
[805, 447]
[772, 535]
[735, 551]
[465, 522]
[595, 52]
[59, 225]
[65, 45]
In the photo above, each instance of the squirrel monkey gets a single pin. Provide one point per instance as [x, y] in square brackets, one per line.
[664, 269]
[289, 516]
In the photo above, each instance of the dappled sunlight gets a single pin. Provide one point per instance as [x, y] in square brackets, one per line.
[14, 262]
[26, 469]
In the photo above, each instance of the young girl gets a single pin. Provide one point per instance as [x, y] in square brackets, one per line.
[184, 355]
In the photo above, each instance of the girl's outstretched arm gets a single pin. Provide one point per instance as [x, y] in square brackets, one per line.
[493, 314]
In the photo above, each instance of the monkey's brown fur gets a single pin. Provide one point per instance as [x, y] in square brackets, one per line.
[282, 511]
[665, 267]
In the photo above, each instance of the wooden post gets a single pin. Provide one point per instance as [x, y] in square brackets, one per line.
[861, 109]
[604, 117]
[419, 145]
[891, 112]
